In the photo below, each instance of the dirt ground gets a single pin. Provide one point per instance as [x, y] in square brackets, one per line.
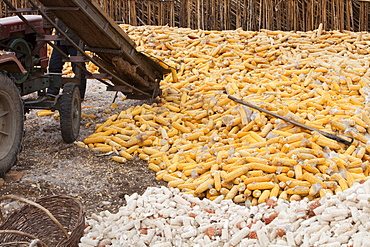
[51, 167]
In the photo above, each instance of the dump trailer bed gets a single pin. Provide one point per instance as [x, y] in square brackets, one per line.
[115, 52]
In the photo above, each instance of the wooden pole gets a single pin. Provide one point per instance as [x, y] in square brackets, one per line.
[189, 11]
[172, 11]
[132, 12]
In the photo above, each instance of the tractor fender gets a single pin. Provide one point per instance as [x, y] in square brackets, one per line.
[10, 64]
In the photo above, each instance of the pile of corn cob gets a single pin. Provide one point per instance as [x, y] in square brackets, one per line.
[205, 144]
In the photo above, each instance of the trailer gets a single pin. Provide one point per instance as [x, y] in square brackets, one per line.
[24, 62]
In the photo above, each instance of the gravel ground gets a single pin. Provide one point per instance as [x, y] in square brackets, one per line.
[51, 167]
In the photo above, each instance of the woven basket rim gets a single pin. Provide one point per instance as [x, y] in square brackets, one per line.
[75, 230]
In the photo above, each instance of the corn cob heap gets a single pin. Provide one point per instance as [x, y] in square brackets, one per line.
[205, 144]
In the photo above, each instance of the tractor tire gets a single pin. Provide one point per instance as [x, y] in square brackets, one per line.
[11, 123]
[70, 112]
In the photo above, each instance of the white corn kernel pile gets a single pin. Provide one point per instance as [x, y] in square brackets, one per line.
[165, 217]
[203, 143]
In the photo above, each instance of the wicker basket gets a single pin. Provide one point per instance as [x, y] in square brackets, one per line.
[49, 221]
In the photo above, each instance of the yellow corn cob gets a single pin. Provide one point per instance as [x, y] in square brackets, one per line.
[294, 183]
[236, 173]
[154, 167]
[144, 156]
[265, 178]
[150, 151]
[175, 183]
[224, 191]
[180, 127]
[255, 173]
[194, 136]
[173, 108]
[283, 195]
[350, 149]
[125, 155]
[290, 174]
[240, 198]
[312, 179]
[298, 190]
[136, 111]
[359, 137]
[119, 159]
[360, 152]
[132, 149]
[340, 163]
[359, 121]
[95, 139]
[133, 141]
[284, 161]
[206, 185]
[295, 138]
[349, 179]
[254, 201]
[308, 167]
[275, 191]
[103, 149]
[247, 192]
[256, 136]
[326, 142]
[295, 197]
[156, 161]
[237, 180]
[116, 141]
[172, 168]
[259, 160]
[187, 185]
[357, 170]
[260, 186]
[168, 178]
[43, 113]
[213, 192]
[264, 195]
[284, 178]
[232, 193]
[256, 193]
[268, 168]
[161, 120]
[193, 172]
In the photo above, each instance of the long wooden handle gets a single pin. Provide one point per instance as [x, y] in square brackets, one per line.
[326, 134]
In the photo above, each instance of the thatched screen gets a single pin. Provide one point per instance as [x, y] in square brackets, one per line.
[284, 15]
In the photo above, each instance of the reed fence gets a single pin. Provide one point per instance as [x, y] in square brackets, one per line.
[287, 15]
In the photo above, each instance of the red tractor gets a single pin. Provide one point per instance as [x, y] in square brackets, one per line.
[24, 61]
[23, 70]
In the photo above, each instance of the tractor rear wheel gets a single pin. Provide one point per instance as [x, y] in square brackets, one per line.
[11, 123]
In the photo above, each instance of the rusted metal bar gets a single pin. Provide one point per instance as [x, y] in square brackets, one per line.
[326, 134]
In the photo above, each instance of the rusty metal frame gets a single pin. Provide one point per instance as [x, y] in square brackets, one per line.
[13, 63]
[79, 49]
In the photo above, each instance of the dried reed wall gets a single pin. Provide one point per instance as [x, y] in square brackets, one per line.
[296, 15]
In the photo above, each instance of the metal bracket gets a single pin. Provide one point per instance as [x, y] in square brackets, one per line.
[63, 8]
[50, 38]
[99, 76]
[76, 59]
[20, 10]
[104, 50]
